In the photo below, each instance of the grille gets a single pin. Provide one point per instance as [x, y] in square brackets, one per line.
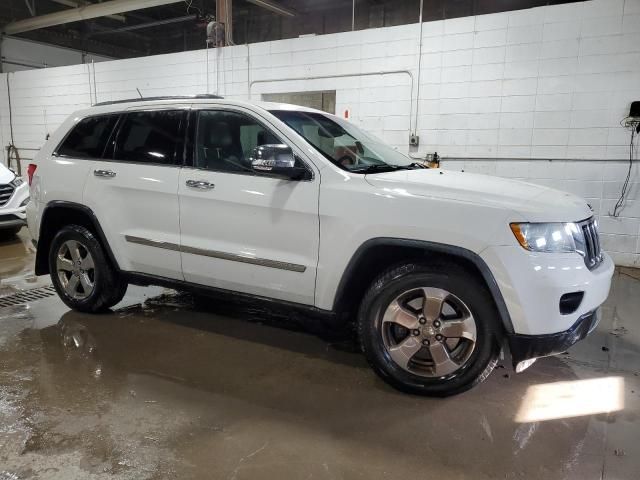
[26, 296]
[6, 191]
[592, 250]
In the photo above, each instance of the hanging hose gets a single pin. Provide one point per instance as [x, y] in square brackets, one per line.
[11, 149]
[12, 146]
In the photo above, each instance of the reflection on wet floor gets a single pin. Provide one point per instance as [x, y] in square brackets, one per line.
[171, 387]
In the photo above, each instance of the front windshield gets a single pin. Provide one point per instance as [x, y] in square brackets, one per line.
[343, 143]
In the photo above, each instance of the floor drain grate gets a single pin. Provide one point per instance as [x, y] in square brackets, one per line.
[25, 296]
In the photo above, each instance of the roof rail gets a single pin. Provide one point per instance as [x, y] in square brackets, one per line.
[204, 96]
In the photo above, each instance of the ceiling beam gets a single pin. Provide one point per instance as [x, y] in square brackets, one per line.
[74, 4]
[274, 7]
[86, 12]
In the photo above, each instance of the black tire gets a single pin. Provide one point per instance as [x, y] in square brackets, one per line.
[392, 283]
[108, 286]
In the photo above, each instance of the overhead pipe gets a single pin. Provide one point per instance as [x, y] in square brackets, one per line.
[415, 123]
[79, 14]
[353, 15]
[141, 26]
[21, 63]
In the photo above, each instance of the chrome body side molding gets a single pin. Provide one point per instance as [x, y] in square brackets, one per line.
[263, 262]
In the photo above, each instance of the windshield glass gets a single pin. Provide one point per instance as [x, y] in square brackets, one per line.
[343, 143]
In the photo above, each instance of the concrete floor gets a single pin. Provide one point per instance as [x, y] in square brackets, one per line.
[163, 389]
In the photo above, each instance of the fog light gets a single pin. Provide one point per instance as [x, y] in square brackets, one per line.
[24, 202]
[569, 302]
[523, 365]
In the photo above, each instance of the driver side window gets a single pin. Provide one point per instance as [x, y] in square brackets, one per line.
[225, 140]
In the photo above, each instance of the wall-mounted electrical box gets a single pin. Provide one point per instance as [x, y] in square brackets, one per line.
[414, 140]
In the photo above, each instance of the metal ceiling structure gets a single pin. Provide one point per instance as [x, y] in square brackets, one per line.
[129, 28]
[80, 13]
[134, 28]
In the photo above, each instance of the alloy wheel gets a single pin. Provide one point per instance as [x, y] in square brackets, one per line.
[75, 269]
[429, 332]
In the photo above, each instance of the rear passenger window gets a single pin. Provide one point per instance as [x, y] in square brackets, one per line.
[151, 137]
[88, 138]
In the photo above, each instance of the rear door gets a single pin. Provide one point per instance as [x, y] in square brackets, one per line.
[133, 191]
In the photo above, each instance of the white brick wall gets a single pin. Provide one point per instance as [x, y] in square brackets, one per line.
[547, 83]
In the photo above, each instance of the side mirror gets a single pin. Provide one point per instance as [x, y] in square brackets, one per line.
[277, 159]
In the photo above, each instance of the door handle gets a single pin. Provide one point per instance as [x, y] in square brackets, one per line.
[104, 173]
[201, 184]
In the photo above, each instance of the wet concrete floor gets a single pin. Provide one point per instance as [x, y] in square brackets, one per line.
[164, 387]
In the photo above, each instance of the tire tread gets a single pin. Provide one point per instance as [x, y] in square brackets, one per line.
[401, 271]
[111, 289]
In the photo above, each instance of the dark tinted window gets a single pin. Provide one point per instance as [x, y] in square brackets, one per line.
[225, 140]
[88, 137]
[153, 137]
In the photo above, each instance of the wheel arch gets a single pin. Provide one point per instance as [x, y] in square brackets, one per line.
[378, 254]
[59, 213]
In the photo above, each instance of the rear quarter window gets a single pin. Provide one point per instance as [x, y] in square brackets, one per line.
[88, 138]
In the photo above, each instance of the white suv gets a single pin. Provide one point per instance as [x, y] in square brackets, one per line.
[14, 196]
[438, 269]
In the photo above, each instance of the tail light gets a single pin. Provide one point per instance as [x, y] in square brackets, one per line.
[31, 169]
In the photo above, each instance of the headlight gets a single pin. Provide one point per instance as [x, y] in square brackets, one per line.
[16, 182]
[547, 237]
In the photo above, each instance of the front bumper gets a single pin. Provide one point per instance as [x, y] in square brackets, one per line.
[533, 285]
[12, 220]
[528, 347]
[13, 213]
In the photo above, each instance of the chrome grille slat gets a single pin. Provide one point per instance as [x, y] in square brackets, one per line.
[6, 192]
[593, 251]
[596, 237]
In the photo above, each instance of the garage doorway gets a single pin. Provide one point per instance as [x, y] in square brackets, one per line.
[323, 100]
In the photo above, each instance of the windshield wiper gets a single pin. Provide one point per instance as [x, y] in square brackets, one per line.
[376, 168]
[388, 168]
[417, 165]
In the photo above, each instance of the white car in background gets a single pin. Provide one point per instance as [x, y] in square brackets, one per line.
[14, 196]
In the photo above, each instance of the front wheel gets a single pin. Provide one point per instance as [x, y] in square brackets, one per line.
[81, 273]
[429, 331]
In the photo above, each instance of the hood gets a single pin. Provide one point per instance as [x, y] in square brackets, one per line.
[534, 202]
[6, 175]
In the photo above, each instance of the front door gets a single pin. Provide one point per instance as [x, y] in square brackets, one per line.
[243, 231]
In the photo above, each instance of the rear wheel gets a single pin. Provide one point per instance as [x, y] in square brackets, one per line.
[81, 273]
[429, 331]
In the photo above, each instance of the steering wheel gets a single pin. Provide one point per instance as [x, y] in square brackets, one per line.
[352, 161]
